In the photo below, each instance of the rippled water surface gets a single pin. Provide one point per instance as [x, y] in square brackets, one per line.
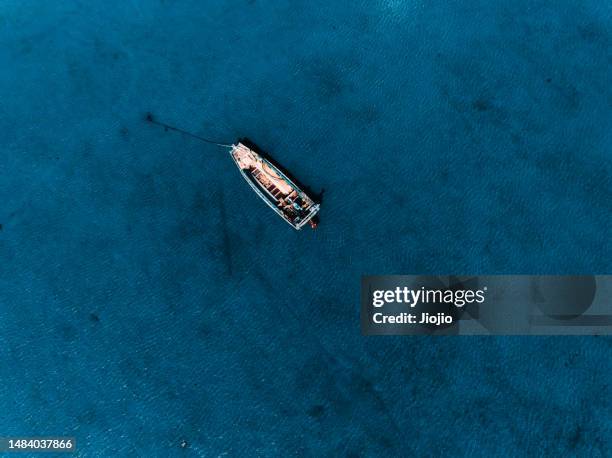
[148, 299]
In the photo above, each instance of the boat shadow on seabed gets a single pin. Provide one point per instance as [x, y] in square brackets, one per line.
[318, 197]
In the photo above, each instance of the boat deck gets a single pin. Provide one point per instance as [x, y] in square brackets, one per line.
[274, 187]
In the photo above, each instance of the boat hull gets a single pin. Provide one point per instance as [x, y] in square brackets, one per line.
[274, 187]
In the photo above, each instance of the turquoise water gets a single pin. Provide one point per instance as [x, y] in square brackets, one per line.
[149, 299]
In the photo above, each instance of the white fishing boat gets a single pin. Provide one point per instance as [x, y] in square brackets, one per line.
[274, 187]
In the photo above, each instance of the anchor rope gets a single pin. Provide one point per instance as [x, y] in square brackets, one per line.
[152, 120]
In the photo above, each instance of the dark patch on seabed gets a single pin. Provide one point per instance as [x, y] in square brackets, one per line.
[153, 305]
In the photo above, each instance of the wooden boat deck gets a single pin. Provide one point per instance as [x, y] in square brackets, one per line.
[274, 187]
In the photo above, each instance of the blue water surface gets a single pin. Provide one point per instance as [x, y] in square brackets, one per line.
[151, 305]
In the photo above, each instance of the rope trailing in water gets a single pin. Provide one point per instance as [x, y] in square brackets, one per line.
[167, 127]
